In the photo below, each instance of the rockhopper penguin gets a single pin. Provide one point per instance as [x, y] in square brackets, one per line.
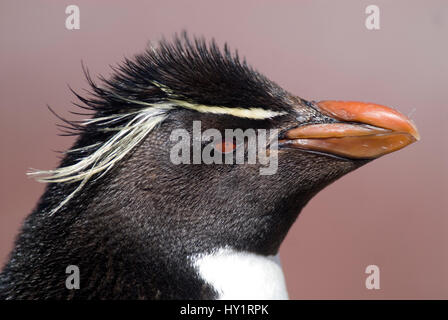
[139, 226]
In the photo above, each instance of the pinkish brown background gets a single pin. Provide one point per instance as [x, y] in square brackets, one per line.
[391, 213]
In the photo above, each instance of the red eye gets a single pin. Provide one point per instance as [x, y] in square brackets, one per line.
[225, 146]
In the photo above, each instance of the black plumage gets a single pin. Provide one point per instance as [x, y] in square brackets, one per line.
[131, 230]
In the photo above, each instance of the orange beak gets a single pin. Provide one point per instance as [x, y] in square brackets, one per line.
[366, 131]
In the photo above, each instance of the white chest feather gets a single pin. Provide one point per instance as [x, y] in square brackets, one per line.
[242, 275]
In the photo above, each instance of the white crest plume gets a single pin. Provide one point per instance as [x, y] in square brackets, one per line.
[107, 153]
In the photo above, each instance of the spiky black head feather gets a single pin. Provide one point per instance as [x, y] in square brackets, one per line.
[185, 69]
[198, 72]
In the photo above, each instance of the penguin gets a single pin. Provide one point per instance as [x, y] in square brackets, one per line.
[137, 225]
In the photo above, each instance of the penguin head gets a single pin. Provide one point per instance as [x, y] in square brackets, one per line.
[148, 115]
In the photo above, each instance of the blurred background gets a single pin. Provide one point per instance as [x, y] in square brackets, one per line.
[391, 213]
